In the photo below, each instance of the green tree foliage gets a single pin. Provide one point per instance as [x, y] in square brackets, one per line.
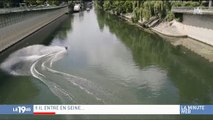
[107, 5]
[170, 16]
[117, 7]
[185, 3]
[31, 2]
[158, 8]
[145, 9]
[7, 3]
[54, 2]
[99, 4]
[148, 8]
[136, 14]
[41, 2]
[137, 11]
[128, 6]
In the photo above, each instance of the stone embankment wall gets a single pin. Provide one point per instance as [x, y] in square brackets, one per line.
[199, 27]
[203, 21]
[14, 26]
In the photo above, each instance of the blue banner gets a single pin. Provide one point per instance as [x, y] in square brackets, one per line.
[196, 109]
[16, 109]
[184, 109]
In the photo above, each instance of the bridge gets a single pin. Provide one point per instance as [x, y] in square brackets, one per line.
[197, 22]
[196, 10]
[18, 23]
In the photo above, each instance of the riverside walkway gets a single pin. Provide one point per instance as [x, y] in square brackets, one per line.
[197, 25]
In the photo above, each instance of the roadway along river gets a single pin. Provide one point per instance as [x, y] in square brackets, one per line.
[108, 61]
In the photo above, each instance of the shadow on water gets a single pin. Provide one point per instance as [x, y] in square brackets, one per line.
[191, 74]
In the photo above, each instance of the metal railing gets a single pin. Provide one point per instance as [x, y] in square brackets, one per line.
[23, 9]
[195, 10]
[11, 16]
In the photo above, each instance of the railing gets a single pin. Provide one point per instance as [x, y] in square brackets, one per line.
[196, 10]
[11, 16]
[23, 9]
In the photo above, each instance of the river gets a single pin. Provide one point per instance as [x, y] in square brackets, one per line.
[97, 58]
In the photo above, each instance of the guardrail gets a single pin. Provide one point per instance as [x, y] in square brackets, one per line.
[23, 9]
[11, 16]
[190, 10]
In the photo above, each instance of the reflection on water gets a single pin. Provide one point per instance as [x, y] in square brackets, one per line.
[188, 74]
[65, 28]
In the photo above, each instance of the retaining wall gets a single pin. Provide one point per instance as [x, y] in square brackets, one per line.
[21, 24]
[201, 34]
[203, 20]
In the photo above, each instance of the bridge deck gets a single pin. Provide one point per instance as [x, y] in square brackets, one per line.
[23, 9]
[198, 10]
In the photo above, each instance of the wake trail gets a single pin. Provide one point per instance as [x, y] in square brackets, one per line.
[38, 61]
[64, 79]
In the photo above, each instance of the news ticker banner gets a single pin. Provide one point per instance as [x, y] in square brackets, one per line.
[108, 109]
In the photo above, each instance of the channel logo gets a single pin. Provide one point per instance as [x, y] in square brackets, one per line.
[16, 109]
[22, 109]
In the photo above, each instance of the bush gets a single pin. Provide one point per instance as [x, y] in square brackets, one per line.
[136, 15]
[134, 20]
[128, 6]
[145, 9]
[191, 4]
[170, 16]
[158, 8]
[147, 12]
[106, 5]
[176, 3]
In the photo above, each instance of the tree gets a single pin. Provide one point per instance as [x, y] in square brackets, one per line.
[31, 2]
